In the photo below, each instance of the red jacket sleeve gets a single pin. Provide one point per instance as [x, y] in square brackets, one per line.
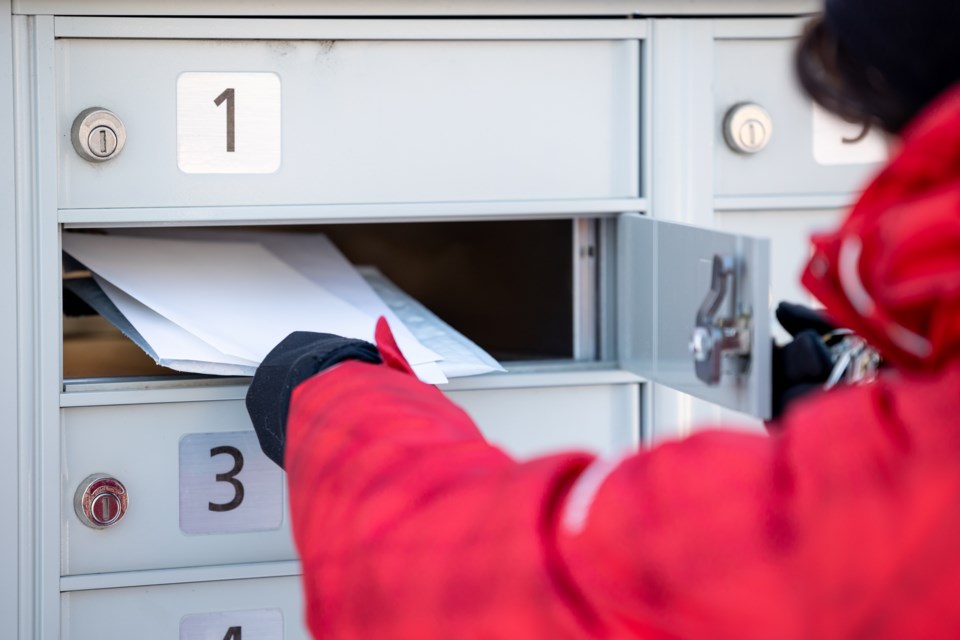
[410, 525]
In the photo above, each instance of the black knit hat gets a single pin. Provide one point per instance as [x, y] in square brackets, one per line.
[913, 44]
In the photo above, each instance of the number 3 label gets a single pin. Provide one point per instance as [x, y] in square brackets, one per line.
[228, 122]
[227, 485]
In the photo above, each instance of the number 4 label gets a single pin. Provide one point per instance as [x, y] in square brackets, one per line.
[228, 122]
[257, 624]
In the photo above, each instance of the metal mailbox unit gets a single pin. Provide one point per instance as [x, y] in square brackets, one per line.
[144, 508]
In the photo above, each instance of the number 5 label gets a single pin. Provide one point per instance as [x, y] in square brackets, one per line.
[836, 142]
[228, 122]
[227, 485]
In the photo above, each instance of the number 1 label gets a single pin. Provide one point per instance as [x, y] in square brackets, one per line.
[228, 122]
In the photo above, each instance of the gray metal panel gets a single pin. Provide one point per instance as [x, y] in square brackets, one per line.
[758, 28]
[155, 613]
[347, 29]
[784, 202]
[118, 391]
[38, 327]
[602, 419]
[368, 121]
[418, 7]
[665, 273]
[787, 231]
[9, 454]
[175, 576]
[681, 106]
[760, 70]
[392, 212]
[26, 431]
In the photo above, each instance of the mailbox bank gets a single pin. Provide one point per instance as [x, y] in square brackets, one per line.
[516, 166]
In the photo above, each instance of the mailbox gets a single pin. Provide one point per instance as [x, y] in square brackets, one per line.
[600, 214]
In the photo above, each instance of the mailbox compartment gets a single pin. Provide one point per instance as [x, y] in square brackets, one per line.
[255, 608]
[520, 289]
[327, 113]
[620, 294]
[164, 455]
[168, 456]
[806, 154]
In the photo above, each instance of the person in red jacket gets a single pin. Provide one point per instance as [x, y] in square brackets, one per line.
[843, 524]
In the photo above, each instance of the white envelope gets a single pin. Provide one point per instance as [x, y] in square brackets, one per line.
[238, 297]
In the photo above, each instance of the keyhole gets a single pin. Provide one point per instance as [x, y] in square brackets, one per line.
[104, 510]
[752, 134]
[102, 142]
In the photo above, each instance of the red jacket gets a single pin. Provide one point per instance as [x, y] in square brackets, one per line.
[845, 525]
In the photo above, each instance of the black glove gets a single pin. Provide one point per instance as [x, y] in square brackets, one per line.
[299, 356]
[804, 364]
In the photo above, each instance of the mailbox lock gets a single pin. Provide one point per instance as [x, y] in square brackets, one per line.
[98, 134]
[100, 501]
[747, 128]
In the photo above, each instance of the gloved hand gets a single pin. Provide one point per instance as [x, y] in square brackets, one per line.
[299, 356]
[804, 364]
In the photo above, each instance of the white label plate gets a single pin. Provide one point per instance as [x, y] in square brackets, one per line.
[248, 496]
[830, 148]
[241, 134]
[258, 624]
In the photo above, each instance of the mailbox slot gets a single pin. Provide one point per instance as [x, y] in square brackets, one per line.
[515, 288]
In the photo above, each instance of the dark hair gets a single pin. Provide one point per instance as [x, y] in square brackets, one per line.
[846, 86]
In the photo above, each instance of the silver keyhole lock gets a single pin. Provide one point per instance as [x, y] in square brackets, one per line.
[98, 134]
[716, 336]
[747, 128]
[100, 501]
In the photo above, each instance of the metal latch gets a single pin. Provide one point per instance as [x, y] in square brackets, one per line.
[716, 335]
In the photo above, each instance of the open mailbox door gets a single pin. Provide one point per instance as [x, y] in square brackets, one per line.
[693, 311]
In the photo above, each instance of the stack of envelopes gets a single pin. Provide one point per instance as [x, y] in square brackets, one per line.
[217, 301]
